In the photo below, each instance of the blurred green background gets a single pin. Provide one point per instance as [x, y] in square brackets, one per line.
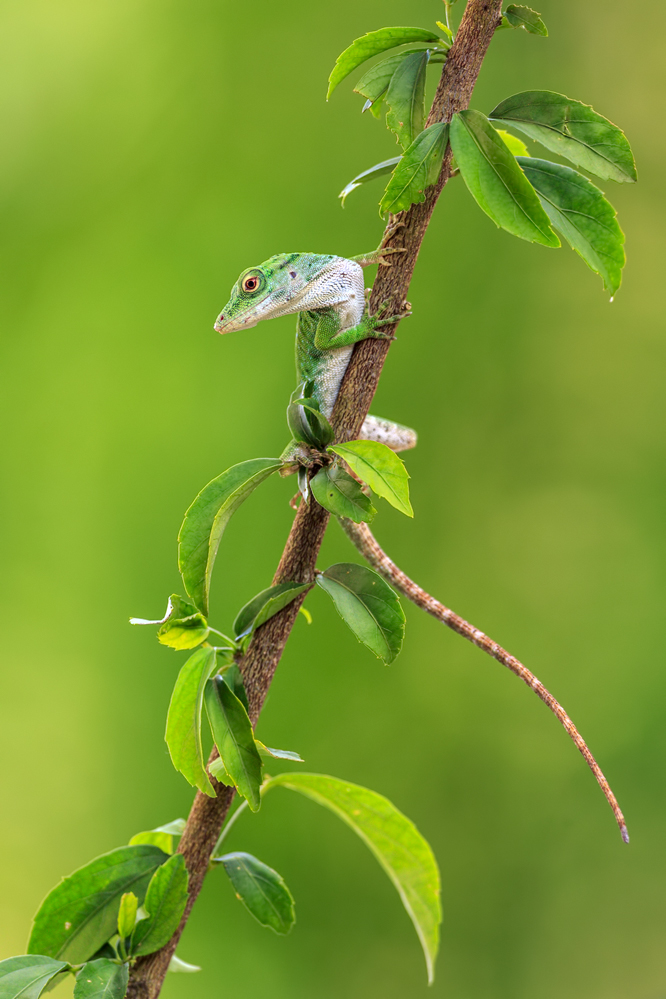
[153, 150]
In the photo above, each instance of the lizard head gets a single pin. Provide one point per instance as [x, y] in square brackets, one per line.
[272, 289]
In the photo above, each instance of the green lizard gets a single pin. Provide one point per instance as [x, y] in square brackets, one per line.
[328, 294]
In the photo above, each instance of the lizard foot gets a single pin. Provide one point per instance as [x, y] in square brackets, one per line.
[393, 227]
[404, 314]
[391, 249]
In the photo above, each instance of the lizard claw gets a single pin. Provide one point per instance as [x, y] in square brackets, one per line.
[391, 249]
[393, 227]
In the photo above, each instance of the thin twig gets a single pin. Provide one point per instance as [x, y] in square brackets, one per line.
[361, 536]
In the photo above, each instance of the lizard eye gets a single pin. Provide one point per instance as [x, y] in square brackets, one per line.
[251, 283]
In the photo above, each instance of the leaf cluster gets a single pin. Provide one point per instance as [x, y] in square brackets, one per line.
[534, 201]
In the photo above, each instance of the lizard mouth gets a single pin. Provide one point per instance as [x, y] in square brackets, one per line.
[223, 325]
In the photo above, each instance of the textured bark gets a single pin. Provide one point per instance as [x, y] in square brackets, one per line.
[405, 230]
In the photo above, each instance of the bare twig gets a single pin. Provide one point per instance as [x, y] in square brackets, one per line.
[461, 69]
[362, 537]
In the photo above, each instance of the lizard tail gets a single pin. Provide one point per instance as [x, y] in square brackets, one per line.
[361, 536]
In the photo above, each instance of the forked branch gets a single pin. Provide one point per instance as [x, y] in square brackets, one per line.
[362, 537]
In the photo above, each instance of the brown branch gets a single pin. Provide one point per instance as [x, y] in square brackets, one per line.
[406, 231]
[361, 536]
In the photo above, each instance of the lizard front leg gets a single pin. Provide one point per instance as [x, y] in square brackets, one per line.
[328, 334]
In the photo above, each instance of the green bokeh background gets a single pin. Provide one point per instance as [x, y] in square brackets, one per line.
[152, 150]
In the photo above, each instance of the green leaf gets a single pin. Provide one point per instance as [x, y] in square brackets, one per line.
[580, 212]
[515, 145]
[183, 627]
[374, 84]
[307, 423]
[233, 678]
[405, 98]
[27, 976]
[278, 754]
[183, 728]
[446, 31]
[80, 914]
[367, 605]
[174, 828]
[571, 129]
[129, 904]
[381, 468]
[176, 964]
[219, 772]
[495, 180]
[261, 890]
[524, 17]
[418, 169]
[106, 950]
[337, 492]
[395, 841]
[371, 45]
[234, 738]
[165, 903]
[102, 979]
[162, 836]
[265, 605]
[160, 839]
[201, 531]
[379, 170]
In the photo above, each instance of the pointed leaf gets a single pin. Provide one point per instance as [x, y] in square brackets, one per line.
[162, 836]
[525, 17]
[495, 180]
[278, 754]
[219, 772]
[80, 914]
[395, 841]
[571, 129]
[233, 678]
[381, 468]
[129, 904]
[405, 98]
[176, 964]
[165, 903]
[261, 890]
[201, 531]
[102, 979]
[579, 211]
[337, 492]
[183, 728]
[368, 606]
[379, 170]
[27, 976]
[417, 170]
[160, 839]
[174, 828]
[265, 605]
[515, 145]
[234, 738]
[374, 84]
[371, 45]
[183, 627]
[307, 423]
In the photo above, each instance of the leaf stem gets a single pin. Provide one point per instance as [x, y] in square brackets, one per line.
[225, 832]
